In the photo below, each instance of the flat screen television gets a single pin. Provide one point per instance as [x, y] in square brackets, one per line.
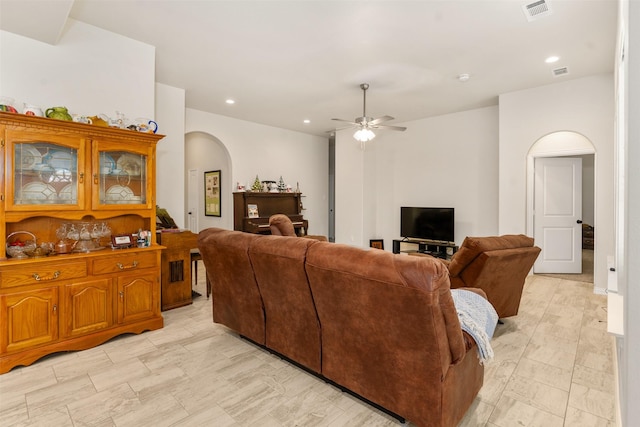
[427, 223]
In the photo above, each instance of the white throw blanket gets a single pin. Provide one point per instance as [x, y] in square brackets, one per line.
[478, 318]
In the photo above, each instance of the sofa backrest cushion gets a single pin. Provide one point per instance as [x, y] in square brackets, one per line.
[368, 300]
[292, 327]
[473, 246]
[236, 298]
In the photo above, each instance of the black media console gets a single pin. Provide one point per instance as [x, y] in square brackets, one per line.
[436, 249]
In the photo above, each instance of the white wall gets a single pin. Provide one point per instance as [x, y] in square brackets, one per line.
[268, 152]
[628, 210]
[445, 161]
[170, 157]
[349, 190]
[584, 106]
[90, 71]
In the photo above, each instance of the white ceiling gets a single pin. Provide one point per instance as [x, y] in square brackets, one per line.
[286, 61]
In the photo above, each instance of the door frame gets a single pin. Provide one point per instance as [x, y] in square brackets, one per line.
[193, 202]
[560, 144]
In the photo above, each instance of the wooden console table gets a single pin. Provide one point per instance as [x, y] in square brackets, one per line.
[175, 289]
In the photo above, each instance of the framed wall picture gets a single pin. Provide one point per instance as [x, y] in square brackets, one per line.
[376, 243]
[212, 197]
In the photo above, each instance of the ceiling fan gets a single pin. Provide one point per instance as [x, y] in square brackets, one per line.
[365, 124]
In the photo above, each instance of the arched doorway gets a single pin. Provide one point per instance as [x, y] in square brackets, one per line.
[204, 152]
[563, 145]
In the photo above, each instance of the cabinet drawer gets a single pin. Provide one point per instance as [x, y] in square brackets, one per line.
[125, 262]
[41, 273]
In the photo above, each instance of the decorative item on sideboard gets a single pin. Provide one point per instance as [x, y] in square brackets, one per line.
[267, 186]
[257, 185]
[58, 113]
[6, 104]
[282, 187]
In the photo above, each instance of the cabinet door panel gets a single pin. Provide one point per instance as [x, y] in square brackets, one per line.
[30, 319]
[137, 297]
[88, 307]
[48, 170]
[121, 177]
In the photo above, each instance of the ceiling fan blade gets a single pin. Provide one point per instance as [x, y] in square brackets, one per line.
[364, 122]
[342, 128]
[400, 128]
[348, 121]
[380, 120]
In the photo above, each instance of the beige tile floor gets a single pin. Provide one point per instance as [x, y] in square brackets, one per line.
[553, 367]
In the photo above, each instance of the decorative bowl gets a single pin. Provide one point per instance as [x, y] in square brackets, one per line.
[17, 248]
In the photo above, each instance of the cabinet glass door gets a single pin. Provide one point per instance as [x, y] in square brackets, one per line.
[44, 174]
[122, 178]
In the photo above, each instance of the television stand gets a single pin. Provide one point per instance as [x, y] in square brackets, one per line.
[437, 249]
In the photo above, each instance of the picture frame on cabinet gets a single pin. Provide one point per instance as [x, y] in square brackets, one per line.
[252, 211]
[121, 241]
[212, 198]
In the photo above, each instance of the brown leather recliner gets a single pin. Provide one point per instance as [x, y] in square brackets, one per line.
[281, 225]
[498, 265]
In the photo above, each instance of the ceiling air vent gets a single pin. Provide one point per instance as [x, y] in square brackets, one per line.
[536, 10]
[560, 71]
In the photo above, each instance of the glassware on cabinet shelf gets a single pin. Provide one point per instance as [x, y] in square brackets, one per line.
[123, 178]
[45, 173]
[82, 236]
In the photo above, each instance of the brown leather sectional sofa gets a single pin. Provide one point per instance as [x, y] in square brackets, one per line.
[380, 325]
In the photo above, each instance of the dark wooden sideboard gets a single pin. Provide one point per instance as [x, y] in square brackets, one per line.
[267, 204]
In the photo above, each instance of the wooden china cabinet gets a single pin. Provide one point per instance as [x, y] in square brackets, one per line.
[74, 186]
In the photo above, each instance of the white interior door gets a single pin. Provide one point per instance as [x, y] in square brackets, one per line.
[558, 214]
[192, 202]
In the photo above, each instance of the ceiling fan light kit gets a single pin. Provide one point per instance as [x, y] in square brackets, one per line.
[364, 135]
[365, 124]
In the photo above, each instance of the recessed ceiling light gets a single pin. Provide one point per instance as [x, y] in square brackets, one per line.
[551, 59]
[230, 101]
[306, 121]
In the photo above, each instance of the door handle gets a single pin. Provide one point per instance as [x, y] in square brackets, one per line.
[579, 221]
